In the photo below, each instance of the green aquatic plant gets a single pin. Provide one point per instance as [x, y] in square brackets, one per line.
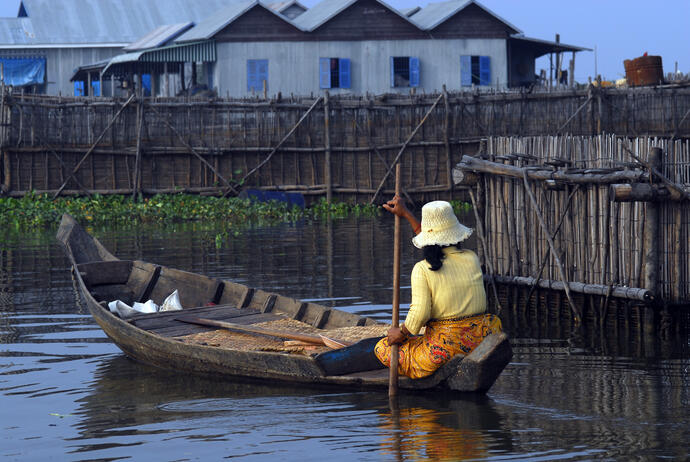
[42, 210]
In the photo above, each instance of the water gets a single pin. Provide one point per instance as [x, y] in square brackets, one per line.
[67, 393]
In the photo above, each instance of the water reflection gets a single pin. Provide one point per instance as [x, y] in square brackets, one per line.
[133, 401]
[614, 393]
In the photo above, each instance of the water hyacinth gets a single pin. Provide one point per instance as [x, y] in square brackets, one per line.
[42, 210]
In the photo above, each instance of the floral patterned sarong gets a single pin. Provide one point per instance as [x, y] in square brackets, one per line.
[421, 356]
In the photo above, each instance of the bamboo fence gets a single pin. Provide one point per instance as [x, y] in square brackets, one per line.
[319, 146]
[561, 188]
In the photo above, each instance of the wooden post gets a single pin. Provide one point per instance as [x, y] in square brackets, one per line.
[327, 147]
[446, 138]
[136, 187]
[651, 231]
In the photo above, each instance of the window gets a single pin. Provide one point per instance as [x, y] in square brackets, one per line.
[475, 70]
[334, 73]
[257, 74]
[404, 71]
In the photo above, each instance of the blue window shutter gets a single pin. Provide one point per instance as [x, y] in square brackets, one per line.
[252, 77]
[146, 84]
[344, 68]
[262, 72]
[484, 70]
[414, 72]
[324, 72]
[96, 88]
[79, 88]
[392, 73]
[466, 70]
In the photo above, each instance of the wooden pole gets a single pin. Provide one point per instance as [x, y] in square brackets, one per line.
[393, 369]
[136, 187]
[327, 147]
[651, 232]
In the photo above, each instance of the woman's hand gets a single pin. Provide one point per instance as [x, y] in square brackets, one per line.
[397, 335]
[396, 206]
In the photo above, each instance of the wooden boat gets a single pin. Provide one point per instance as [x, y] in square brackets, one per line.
[161, 339]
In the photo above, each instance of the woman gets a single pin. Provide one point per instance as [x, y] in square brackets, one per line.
[448, 296]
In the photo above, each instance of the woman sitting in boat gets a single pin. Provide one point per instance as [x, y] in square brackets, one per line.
[448, 296]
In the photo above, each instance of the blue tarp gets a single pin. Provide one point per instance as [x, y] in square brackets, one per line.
[24, 71]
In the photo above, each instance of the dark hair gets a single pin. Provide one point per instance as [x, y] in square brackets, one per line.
[433, 254]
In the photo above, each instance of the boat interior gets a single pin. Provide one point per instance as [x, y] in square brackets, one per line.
[202, 296]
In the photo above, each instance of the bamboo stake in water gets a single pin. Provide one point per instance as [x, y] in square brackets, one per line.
[393, 369]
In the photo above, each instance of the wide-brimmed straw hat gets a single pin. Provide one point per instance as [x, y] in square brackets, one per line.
[440, 226]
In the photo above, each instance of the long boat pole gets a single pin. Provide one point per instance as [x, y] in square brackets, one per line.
[393, 369]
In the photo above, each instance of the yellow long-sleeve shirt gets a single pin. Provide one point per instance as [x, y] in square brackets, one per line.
[455, 290]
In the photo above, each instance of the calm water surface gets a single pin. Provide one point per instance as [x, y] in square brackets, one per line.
[67, 393]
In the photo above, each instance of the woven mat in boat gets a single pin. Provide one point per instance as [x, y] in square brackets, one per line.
[243, 341]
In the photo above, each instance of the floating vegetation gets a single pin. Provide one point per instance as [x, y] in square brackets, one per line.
[42, 210]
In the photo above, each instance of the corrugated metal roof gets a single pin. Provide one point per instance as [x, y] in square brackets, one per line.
[207, 27]
[213, 24]
[16, 30]
[159, 36]
[548, 46]
[282, 6]
[324, 11]
[435, 14]
[204, 51]
[410, 11]
[93, 22]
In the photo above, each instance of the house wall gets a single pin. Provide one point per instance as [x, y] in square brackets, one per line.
[293, 67]
[61, 63]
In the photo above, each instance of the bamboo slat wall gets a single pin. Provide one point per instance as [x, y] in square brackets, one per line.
[196, 145]
[600, 241]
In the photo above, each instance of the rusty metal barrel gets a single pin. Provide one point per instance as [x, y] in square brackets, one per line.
[645, 70]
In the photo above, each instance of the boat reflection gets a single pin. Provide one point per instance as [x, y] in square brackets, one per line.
[128, 399]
